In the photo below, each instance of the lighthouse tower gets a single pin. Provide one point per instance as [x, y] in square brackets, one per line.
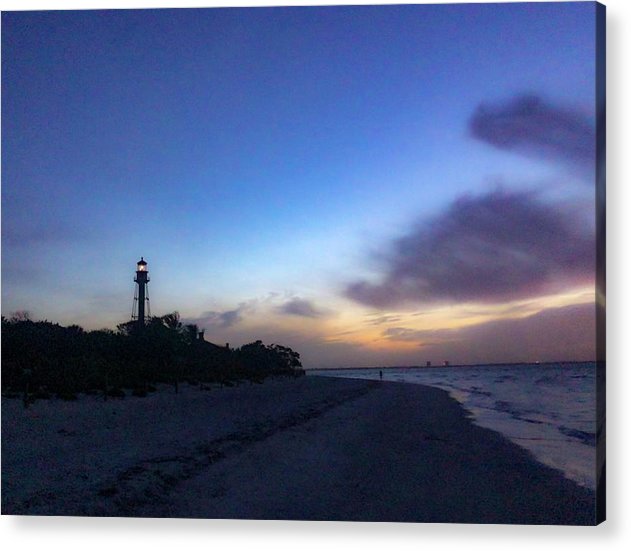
[141, 294]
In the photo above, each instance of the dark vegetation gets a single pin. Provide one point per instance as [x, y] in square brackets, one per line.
[41, 359]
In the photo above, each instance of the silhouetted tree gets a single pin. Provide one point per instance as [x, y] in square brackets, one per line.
[41, 358]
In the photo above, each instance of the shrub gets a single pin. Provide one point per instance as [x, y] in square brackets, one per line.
[68, 396]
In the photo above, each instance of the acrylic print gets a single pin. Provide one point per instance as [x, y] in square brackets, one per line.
[338, 263]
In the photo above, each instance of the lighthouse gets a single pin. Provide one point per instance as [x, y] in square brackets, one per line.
[141, 293]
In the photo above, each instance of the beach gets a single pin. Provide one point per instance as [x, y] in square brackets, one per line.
[312, 448]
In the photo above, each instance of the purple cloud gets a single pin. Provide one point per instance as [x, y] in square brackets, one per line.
[495, 247]
[225, 319]
[527, 124]
[300, 307]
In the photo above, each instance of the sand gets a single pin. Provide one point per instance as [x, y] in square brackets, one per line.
[313, 448]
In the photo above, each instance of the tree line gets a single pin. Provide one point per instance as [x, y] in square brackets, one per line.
[41, 359]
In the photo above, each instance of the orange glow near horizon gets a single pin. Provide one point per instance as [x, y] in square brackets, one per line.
[367, 330]
[352, 334]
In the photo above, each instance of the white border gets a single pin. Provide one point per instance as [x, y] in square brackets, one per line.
[104, 534]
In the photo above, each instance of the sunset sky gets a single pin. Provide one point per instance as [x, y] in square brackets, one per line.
[372, 185]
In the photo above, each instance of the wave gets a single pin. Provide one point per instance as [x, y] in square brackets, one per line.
[588, 438]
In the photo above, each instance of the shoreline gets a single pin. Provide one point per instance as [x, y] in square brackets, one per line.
[551, 435]
[314, 448]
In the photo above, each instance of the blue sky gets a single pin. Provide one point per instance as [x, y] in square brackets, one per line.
[280, 168]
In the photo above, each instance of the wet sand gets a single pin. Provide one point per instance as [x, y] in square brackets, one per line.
[314, 448]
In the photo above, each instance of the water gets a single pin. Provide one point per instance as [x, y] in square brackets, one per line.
[549, 409]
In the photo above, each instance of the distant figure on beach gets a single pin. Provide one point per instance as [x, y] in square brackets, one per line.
[380, 374]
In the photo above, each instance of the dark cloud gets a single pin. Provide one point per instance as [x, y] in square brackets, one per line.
[225, 319]
[229, 318]
[527, 124]
[301, 307]
[499, 246]
[563, 334]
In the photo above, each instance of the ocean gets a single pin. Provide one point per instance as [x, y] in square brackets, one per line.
[549, 409]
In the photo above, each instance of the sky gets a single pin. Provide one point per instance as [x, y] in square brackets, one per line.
[370, 185]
